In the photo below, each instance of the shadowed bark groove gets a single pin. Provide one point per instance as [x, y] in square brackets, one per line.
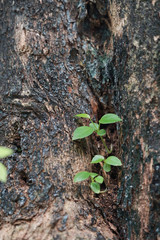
[60, 58]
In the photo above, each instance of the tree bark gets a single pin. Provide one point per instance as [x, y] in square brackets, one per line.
[60, 58]
[137, 67]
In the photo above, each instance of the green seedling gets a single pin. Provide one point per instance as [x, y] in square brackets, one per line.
[105, 163]
[4, 152]
[96, 180]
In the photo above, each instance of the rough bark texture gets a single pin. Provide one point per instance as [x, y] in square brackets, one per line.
[136, 60]
[59, 58]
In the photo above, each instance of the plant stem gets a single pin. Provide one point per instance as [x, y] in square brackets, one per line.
[108, 151]
[104, 191]
[104, 174]
[93, 124]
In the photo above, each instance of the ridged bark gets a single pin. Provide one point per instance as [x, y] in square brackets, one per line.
[60, 58]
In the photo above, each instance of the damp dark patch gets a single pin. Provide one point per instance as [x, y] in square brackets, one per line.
[94, 22]
[73, 55]
[23, 176]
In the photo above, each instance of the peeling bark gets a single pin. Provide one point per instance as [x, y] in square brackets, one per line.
[60, 58]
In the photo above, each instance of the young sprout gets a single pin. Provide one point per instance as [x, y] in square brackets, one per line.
[105, 163]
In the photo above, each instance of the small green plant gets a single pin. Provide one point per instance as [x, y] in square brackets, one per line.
[106, 163]
[4, 152]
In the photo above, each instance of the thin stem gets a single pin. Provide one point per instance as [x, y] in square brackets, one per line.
[108, 151]
[94, 124]
[104, 174]
[92, 179]
[104, 191]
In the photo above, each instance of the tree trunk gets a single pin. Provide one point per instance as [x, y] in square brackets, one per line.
[60, 58]
[135, 59]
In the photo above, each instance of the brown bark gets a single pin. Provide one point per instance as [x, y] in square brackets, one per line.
[136, 61]
[43, 86]
[60, 58]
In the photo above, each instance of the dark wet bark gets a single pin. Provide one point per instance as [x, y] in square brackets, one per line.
[137, 68]
[59, 58]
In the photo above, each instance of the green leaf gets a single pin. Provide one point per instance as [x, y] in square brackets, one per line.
[107, 167]
[109, 118]
[83, 115]
[114, 161]
[5, 152]
[81, 176]
[99, 179]
[97, 159]
[95, 187]
[3, 173]
[95, 126]
[93, 174]
[101, 132]
[82, 132]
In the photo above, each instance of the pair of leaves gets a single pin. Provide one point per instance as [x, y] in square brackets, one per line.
[85, 131]
[106, 119]
[95, 126]
[81, 176]
[96, 180]
[4, 152]
[112, 160]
